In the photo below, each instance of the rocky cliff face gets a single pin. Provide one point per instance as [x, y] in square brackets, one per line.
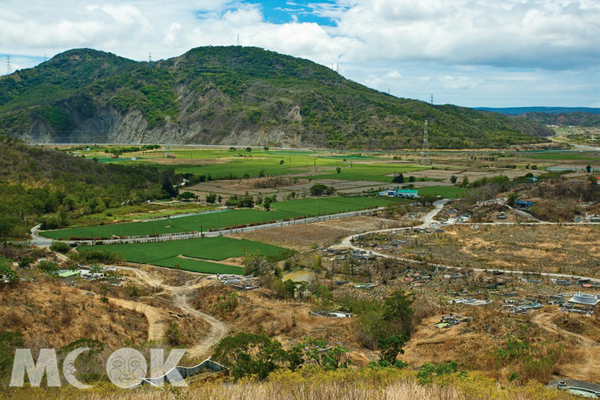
[231, 96]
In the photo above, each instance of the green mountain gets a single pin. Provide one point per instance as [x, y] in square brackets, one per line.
[232, 96]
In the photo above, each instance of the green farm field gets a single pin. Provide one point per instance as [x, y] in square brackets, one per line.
[281, 210]
[191, 254]
[225, 164]
[570, 156]
[447, 192]
[370, 172]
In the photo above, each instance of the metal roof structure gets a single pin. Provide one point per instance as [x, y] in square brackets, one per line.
[583, 299]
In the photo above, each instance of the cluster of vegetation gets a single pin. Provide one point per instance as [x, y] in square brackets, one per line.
[258, 356]
[39, 185]
[528, 360]
[551, 186]
[320, 190]
[245, 200]
[253, 87]
[130, 149]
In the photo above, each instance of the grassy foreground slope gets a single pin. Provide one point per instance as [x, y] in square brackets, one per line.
[235, 96]
[363, 384]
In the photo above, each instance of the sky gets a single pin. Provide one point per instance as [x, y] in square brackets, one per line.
[473, 53]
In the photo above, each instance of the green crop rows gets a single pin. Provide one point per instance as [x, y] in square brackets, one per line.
[191, 254]
[447, 192]
[280, 210]
[370, 172]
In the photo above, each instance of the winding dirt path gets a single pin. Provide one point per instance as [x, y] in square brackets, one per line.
[544, 321]
[180, 295]
[157, 325]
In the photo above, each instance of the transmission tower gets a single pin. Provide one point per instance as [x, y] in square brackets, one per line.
[8, 66]
[425, 159]
[431, 98]
[149, 57]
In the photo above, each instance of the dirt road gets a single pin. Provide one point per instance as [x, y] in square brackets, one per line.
[180, 296]
[585, 365]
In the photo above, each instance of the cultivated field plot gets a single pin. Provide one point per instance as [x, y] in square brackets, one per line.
[538, 248]
[227, 218]
[447, 192]
[370, 172]
[191, 254]
[558, 156]
[304, 237]
[226, 164]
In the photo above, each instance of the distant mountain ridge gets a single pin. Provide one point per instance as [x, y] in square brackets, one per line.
[550, 110]
[562, 116]
[232, 96]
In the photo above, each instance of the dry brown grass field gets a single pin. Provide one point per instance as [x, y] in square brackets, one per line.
[562, 249]
[305, 237]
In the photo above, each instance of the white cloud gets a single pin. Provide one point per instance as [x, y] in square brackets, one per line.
[457, 45]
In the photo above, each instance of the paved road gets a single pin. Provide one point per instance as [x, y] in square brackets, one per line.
[38, 240]
[428, 221]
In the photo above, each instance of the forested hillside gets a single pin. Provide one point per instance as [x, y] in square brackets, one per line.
[234, 96]
[36, 182]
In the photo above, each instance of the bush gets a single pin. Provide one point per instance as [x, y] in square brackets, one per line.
[320, 189]
[99, 256]
[250, 354]
[60, 247]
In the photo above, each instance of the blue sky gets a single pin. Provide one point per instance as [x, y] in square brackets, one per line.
[279, 12]
[465, 52]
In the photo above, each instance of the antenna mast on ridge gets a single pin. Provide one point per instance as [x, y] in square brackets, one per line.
[425, 159]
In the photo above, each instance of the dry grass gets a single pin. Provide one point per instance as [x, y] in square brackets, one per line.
[52, 314]
[337, 385]
[542, 248]
[286, 320]
[305, 237]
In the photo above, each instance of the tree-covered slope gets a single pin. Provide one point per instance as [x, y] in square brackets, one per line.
[42, 185]
[231, 95]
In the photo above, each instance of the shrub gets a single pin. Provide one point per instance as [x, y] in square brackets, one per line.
[60, 247]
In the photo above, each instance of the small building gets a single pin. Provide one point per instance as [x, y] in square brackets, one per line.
[67, 274]
[582, 299]
[523, 204]
[407, 193]
[389, 193]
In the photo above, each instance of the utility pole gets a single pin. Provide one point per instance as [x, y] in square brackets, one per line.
[425, 151]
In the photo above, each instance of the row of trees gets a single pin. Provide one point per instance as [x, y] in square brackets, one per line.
[257, 355]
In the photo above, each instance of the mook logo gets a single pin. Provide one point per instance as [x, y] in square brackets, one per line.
[126, 368]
